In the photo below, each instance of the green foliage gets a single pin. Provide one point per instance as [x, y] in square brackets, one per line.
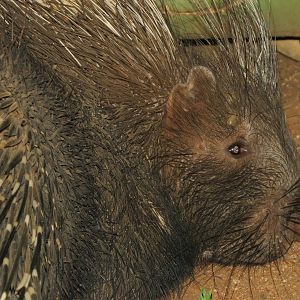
[205, 295]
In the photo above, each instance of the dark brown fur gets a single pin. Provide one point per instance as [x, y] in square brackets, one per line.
[157, 159]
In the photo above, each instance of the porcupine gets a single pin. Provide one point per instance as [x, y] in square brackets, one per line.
[137, 159]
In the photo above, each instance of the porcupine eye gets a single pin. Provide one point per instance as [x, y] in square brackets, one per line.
[237, 150]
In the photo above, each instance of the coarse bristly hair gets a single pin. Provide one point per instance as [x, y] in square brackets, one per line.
[127, 159]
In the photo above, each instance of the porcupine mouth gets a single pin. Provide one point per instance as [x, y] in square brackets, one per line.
[265, 237]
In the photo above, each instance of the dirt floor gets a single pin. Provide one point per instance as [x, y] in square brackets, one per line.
[280, 280]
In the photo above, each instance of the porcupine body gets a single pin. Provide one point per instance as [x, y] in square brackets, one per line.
[145, 159]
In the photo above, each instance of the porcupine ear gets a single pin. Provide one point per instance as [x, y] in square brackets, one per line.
[187, 102]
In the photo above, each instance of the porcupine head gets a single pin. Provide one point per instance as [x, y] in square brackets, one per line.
[232, 164]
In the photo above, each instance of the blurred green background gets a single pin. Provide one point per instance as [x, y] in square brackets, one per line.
[283, 17]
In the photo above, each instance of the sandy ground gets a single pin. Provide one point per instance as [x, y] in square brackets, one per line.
[280, 280]
[290, 86]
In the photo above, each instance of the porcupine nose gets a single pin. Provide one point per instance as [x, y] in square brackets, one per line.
[295, 224]
[295, 203]
[284, 221]
[294, 218]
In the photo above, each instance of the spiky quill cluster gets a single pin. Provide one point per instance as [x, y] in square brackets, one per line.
[111, 187]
